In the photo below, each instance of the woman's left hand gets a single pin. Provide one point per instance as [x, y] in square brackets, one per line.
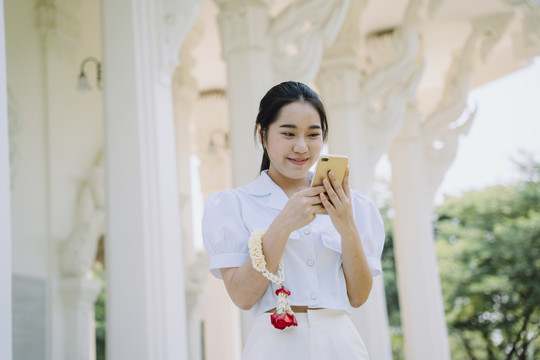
[338, 203]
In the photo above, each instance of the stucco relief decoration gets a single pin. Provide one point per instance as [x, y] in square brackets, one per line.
[77, 254]
[441, 129]
[389, 87]
[58, 24]
[242, 23]
[175, 19]
[183, 77]
[299, 34]
[531, 28]
[14, 130]
[530, 37]
[341, 62]
[491, 29]
[434, 6]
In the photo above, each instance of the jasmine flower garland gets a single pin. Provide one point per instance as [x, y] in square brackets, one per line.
[284, 316]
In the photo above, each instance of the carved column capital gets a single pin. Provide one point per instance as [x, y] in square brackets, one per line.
[527, 42]
[299, 35]
[340, 75]
[491, 28]
[243, 24]
[77, 254]
[339, 81]
[184, 83]
[174, 20]
[58, 24]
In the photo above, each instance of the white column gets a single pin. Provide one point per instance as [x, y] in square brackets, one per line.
[77, 256]
[79, 295]
[243, 26]
[365, 112]
[348, 136]
[184, 90]
[5, 205]
[196, 264]
[146, 316]
[420, 155]
[420, 296]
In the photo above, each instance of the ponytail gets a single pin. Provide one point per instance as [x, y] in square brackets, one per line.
[265, 163]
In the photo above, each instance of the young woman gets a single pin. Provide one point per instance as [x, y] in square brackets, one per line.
[299, 274]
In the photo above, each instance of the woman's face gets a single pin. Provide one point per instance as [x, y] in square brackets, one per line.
[294, 141]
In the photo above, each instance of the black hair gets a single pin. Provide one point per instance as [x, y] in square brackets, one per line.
[277, 97]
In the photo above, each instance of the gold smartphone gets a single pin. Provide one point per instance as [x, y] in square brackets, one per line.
[336, 163]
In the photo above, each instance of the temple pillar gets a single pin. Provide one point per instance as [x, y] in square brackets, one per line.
[243, 26]
[420, 156]
[215, 173]
[79, 295]
[146, 315]
[185, 94]
[365, 110]
[420, 296]
[338, 82]
[77, 256]
[5, 205]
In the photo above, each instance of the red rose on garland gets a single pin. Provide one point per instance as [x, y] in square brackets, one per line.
[284, 316]
[283, 321]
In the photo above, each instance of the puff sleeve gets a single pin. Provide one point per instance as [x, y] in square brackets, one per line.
[371, 228]
[225, 235]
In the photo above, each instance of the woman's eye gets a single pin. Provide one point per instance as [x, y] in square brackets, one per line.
[288, 134]
[314, 135]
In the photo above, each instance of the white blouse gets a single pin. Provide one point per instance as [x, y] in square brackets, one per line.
[312, 257]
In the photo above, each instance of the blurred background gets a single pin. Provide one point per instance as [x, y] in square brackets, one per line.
[122, 117]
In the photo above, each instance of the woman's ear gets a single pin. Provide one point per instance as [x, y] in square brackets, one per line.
[260, 135]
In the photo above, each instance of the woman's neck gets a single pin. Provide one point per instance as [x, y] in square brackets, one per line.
[288, 185]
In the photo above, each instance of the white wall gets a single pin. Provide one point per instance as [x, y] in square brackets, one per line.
[29, 188]
[5, 205]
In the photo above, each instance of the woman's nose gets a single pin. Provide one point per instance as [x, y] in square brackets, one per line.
[300, 145]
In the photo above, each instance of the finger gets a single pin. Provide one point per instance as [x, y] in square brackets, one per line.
[334, 198]
[314, 200]
[326, 203]
[336, 185]
[346, 187]
[313, 191]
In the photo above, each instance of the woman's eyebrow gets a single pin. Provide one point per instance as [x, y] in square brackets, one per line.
[292, 126]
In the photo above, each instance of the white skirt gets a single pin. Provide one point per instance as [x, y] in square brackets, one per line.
[320, 335]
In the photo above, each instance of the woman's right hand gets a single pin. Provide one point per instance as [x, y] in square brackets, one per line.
[245, 284]
[301, 208]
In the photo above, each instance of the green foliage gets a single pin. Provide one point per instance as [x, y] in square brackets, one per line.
[390, 287]
[99, 310]
[488, 245]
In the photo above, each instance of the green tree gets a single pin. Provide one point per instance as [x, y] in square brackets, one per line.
[390, 287]
[488, 245]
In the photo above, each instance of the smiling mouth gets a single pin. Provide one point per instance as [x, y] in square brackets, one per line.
[298, 161]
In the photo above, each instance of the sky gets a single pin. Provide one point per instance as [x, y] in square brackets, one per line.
[507, 122]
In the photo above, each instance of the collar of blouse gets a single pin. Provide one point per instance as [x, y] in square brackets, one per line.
[265, 189]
